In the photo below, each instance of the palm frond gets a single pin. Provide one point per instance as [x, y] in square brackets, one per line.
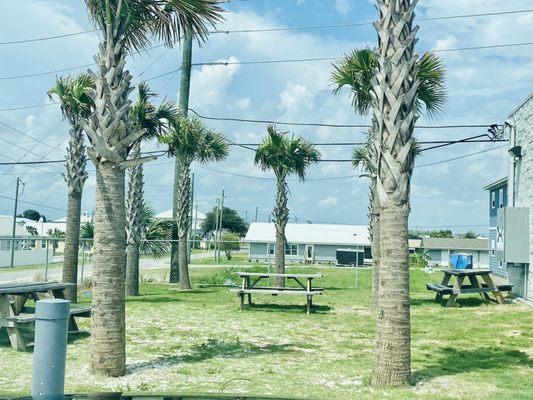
[72, 93]
[285, 155]
[356, 71]
[432, 93]
[362, 157]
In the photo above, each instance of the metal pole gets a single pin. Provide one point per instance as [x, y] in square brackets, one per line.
[216, 227]
[82, 262]
[220, 224]
[50, 349]
[14, 223]
[356, 276]
[190, 241]
[46, 263]
[183, 108]
[256, 212]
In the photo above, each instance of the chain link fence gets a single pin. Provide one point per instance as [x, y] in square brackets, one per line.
[41, 258]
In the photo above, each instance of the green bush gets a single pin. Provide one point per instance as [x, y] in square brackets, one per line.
[229, 244]
[418, 260]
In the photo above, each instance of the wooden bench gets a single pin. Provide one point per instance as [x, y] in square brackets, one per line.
[248, 287]
[27, 317]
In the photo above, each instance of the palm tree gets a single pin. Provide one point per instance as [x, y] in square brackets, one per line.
[126, 26]
[356, 71]
[190, 140]
[395, 96]
[155, 233]
[285, 156]
[150, 121]
[75, 106]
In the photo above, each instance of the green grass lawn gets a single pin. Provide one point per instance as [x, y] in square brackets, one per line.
[198, 341]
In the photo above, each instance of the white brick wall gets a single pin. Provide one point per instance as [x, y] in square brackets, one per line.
[523, 194]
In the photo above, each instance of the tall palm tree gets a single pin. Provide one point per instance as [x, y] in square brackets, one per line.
[126, 26]
[190, 140]
[151, 122]
[284, 155]
[394, 94]
[356, 71]
[75, 106]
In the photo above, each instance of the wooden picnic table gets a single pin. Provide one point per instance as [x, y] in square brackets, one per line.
[461, 287]
[16, 316]
[251, 279]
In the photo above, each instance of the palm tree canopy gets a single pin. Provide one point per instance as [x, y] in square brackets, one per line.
[155, 233]
[148, 118]
[138, 21]
[357, 69]
[285, 155]
[190, 140]
[72, 93]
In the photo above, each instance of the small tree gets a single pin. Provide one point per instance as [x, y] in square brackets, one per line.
[33, 215]
[470, 235]
[443, 233]
[419, 259]
[32, 230]
[231, 220]
[230, 244]
[56, 234]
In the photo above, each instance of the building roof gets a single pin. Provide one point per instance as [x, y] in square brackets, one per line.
[84, 217]
[344, 235]
[496, 184]
[6, 226]
[168, 214]
[521, 104]
[454, 244]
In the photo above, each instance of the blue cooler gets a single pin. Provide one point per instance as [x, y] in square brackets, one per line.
[461, 261]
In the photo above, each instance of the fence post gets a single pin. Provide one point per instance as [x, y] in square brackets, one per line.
[82, 261]
[46, 263]
[50, 349]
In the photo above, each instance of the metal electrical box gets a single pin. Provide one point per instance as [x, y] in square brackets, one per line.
[512, 235]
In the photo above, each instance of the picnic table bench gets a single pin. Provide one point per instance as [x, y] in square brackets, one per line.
[249, 287]
[459, 287]
[15, 316]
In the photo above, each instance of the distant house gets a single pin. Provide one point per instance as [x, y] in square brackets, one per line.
[310, 243]
[440, 250]
[497, 200]
[25, 250]
[197, 219]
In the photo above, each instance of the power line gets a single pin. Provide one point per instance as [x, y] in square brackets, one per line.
[297, 28]
[294, 60]
[25, 134]
[459, 157]
[266, 121]
[264, 178]
[33, 204]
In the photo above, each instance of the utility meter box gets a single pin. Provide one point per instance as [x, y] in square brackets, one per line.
[512, 235]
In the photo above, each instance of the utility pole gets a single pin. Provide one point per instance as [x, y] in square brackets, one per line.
[183, 107]
[246, 216]
[14, 223]
[220, 223]
[217, 209]
[256, 212]
[190, 241]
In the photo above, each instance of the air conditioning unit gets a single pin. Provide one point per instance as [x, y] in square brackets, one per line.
[512, 235]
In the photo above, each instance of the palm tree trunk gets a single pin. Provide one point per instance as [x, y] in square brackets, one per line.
[375, 245]
[108, 350]
[183, 222]
[281, 217]
[134, 203]
[72, 244]
[132, 269]
[75, 178]
[395, 95]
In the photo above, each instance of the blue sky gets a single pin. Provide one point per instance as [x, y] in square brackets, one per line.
[484, 87]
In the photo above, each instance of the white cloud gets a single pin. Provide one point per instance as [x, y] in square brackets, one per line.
[296, 99]
[209, 85]
[343, 6]
[328, 202]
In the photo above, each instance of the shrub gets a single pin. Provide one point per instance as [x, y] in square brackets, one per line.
[418, 260]
[229, 244]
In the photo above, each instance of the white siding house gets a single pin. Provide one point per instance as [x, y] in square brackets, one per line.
[308, 243]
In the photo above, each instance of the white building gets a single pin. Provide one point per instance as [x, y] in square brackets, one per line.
[310, 243]
[520, 191]
[197, 218]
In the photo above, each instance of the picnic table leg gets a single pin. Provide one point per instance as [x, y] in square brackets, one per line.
[475, 284]
[241, 296]
[72, 325]
[445, 281]
[309, 303]
[249, 299]
[490, 283]
[453, 296]
[15, 335]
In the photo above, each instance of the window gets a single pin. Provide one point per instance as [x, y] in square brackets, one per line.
[271, 248]
[501, 198]
[493, 199]
[291, 249]
[492, 247]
